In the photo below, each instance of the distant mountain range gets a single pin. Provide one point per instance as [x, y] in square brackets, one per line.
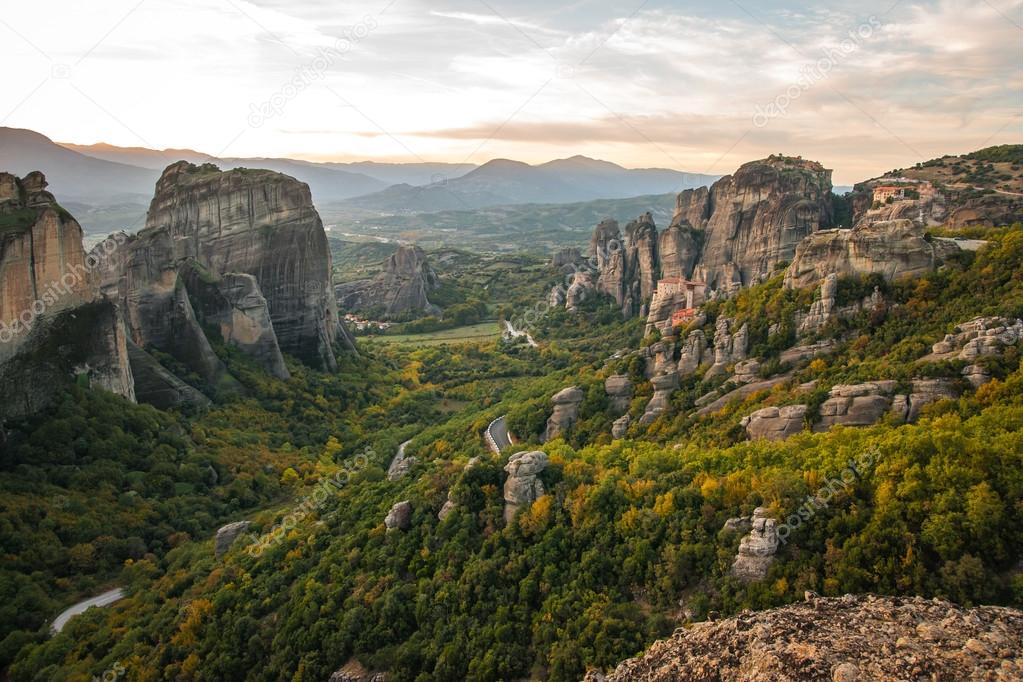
[502, 182]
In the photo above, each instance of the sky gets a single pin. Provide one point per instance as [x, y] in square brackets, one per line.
[697, 86]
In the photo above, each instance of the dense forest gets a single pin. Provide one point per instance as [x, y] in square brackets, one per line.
[627, 545]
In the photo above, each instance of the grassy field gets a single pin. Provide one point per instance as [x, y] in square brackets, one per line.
[485, 331]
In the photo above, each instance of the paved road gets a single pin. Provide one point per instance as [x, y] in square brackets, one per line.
[104, 599]
[497, 435]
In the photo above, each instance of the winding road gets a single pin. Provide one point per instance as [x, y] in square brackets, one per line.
[104, 599]
[497, 435]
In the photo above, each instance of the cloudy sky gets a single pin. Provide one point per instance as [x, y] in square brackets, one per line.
[700, 86]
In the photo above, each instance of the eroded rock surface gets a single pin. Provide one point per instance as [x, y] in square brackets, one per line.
[841, 639]
[619, 389]
[664, 385]
[566, 411]
[401, 289]
[757, 550]
[775, 423]
[400, 516]
[523, 485]
[227, 535]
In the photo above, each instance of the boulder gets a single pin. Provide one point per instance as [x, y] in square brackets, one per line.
[399, 517]
[747, 371]
[401, 464]
[523, 485]
[619, 389]
[775, 423]
[226, 536]
[977, 375]
[757, 550]
[694, 350]
[566, 411]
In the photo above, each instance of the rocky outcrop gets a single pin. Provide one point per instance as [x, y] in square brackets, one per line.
[353, 671]
[400, 290]
[976, 375]
[401, 464]
[754, 219]
[234, 305]
[775, 423]
[821, 309]
[450, 504]
[156, 386]
[664, 385]
[582, 284]
[695, 351]
[243, 222]
[566, 411]
[757, 550]
[865, 404]
[679, 248]
[628, 267]
[980, 337]
[620, 426]
[619, 389]
[729, 348]
[566, 257]
[893, 249]
[399, 517]
[523, 485]
[842, 639]
[227, 535]
[54, 324]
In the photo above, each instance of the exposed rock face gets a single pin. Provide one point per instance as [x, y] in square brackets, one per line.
[845, 639]
[400, 290]
[976, 375]
[86, 342]
[821, 309]
[353, 671]
[892, 249]
[156, 386]
[401, 464]
[54, 325]
[757, 550]
[566, 411]
[664, 385]
[694, 351]
[581, 285]
[865, 404]
[775, 423]
[628, 268]
[728, 348]
[227, 535]
[567, 256]
[754, 219]
[243, 221]
[679, 248]
[747, 371]
[400, 516]
[450, 504]
[980, 337]
[619, 389]
[523, 486]
[620, 426]
[235, 305]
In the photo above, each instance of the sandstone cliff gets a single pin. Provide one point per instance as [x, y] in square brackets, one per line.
[54, 325]
[845, 639]
[400, 290]
[231, 224]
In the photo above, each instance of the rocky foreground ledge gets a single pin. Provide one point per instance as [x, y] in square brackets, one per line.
[844, 639]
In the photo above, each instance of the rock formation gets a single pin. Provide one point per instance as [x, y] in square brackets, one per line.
[399, 517]
[980, 337]
[757, 550]
[728, 348]
[664, 385]
[619, 389]
[841, 639]
[450, 504]
[775, 423]
[892, 249]
[353, 671]
[240, 222]
[679, 248]
[566, 411]
[821, 309]
[694, 351]
[227, 535]
[628, 268]
[754, 219]
[523, 486]
[401, 289]
[865, 404]
[620, 426]
[54, 324]
[401, 464]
